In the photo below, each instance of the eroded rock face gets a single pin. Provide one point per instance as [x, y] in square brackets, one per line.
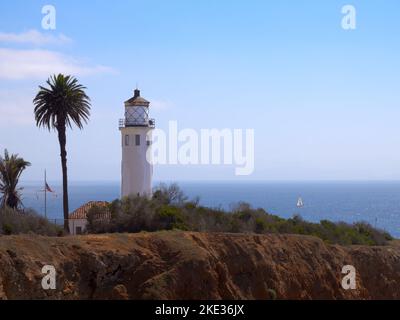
[188, 265]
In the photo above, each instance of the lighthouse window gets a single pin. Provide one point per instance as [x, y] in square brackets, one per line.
[137, 139]
[127, 140]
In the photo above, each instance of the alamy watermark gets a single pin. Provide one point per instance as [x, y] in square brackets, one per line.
[349, 280]
[49, 280]
[349, 20]
[203, 147]
[49, 18]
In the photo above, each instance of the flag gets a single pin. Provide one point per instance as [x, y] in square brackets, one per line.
[48, 188]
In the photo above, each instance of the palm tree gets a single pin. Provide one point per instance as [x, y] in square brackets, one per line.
[57, 107]
[11, 168]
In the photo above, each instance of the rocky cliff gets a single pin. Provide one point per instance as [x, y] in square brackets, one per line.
[188, 265]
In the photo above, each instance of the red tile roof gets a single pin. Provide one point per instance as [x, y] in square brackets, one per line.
[81, 212]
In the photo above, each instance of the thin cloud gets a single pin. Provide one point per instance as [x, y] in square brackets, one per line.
[160, 104]
[16, 107]
[18, 64]
[34, 37]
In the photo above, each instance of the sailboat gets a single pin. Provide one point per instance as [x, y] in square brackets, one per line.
[300, 203]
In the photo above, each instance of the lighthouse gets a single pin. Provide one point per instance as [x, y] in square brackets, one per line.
[136, 127]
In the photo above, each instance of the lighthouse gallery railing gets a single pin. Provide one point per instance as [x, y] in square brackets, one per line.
[136, 123]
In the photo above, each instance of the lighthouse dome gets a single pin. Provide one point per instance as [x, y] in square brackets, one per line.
[137, 112]
[137, 100]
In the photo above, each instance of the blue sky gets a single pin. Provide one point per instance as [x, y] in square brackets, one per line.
[324, 102]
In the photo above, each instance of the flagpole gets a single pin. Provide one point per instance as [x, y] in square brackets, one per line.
[45, 195]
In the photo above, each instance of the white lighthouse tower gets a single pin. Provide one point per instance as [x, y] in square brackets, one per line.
[136, 171]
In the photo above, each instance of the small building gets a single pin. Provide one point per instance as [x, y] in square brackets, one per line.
[78, 219]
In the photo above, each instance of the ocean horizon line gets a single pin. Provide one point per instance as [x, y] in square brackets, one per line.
[223, 181]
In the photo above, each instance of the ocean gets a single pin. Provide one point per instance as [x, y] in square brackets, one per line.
[377, 203]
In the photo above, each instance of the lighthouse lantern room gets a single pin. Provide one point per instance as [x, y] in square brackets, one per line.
[136, 127]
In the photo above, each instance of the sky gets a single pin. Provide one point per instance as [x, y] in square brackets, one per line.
[324, 102]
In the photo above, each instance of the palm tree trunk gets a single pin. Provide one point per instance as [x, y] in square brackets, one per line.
[63, 141]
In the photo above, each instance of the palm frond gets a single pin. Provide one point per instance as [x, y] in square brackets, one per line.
[62, 103]
[11, 168]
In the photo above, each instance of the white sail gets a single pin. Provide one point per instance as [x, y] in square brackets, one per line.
[300, 203]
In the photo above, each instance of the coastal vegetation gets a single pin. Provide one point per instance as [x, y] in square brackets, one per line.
[11, 168]
[58, 106]
[27, 221]
[14, 218]
[170, 209]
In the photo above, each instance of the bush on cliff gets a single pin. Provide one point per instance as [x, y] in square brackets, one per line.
[16, 222]
[170, 209]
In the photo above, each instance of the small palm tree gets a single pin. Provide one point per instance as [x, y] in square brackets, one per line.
[57, 107]
[11, 168]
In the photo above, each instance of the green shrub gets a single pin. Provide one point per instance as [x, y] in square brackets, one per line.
[7, 229]
[169, 209]
[15, 222]
[261, 225]
[169, 217]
